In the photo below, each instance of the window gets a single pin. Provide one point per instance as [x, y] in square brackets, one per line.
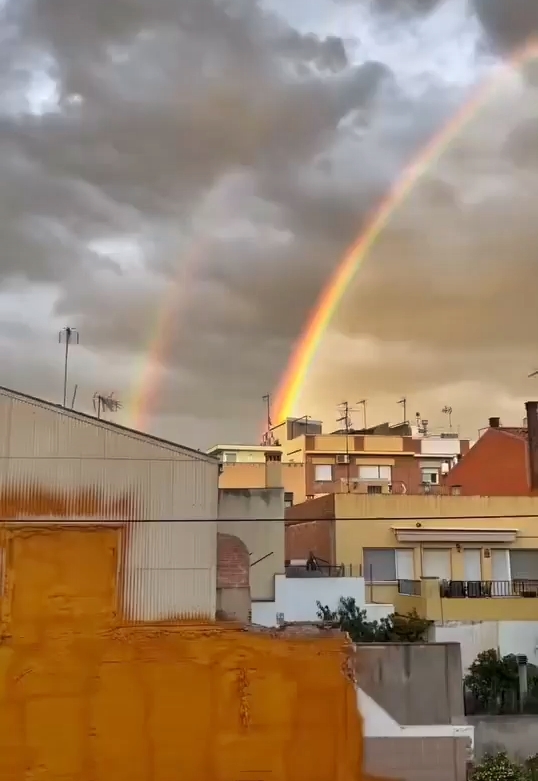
[524, 564]
[375, 472]
[323, 473]
[388, 565]
[374, 489]
[229, 458]
[288, 499]
[430, 476]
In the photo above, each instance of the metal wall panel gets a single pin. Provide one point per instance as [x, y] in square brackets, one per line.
[57, 465]
[169, 570]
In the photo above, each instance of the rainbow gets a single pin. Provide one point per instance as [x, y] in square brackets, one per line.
[145, 393]
[310, 339]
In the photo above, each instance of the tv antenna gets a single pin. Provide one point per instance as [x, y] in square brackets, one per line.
[109, 403]
[403, 404]
[268, 437]
[448, 411]
[67, 335]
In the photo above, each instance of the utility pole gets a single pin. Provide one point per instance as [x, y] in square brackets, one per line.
[403, 403]
[67, 335]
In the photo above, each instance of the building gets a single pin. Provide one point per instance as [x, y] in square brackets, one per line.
[61, 465]
[256, 516]
[383, 459]
[86, 694]
[499, 462]
[449, 557]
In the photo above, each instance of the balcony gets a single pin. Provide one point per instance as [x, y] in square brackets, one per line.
[314, 567]
[461, 600]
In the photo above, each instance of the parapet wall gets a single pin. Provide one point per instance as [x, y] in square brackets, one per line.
[87, 696]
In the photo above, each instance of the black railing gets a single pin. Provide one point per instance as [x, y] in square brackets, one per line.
[410, 588]
[469, 589]
[314, 567]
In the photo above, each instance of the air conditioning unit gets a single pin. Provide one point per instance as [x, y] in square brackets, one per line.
[342, 459]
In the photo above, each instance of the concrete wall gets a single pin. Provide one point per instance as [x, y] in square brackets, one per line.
[256, 516]
[296, 599]
[414, 683]
[84, 697]
[517, 735]
[508, 637]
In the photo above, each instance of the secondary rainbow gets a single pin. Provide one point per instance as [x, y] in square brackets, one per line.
[309, 341]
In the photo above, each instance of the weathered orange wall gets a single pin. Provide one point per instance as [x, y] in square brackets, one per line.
[84, 698]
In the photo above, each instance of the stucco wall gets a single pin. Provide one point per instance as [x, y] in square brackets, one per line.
[296, 599]
[256, 516]
[480, 512]
[414, 683]
[83, 697]
[517, 735]
[509, 637]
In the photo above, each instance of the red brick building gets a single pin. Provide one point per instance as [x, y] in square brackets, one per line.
[499, 462]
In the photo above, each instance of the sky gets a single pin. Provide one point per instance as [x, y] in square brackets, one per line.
[222, 155]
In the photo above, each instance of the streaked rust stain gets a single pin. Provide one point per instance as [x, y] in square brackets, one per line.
[35, 501]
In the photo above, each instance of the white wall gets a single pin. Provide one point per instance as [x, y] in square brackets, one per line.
[296, 598]
[509, 637]
[377, 723]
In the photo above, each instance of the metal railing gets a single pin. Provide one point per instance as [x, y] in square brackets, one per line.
[410, 588]
[317, 568]
[469, 589]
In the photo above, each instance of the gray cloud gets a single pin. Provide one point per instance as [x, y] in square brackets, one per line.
[210, 154]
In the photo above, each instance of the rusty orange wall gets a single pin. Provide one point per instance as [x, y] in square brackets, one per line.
[83, 698]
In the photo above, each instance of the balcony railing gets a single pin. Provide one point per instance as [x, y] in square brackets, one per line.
[317, 568]
[469, 589]
[410, 588]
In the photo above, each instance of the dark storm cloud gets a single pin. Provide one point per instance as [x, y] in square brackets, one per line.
[244, 157]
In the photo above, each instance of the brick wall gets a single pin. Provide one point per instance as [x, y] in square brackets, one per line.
[497, 465]
[310, 529]
[233, 562]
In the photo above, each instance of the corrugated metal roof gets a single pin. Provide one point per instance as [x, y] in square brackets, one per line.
[105, 424]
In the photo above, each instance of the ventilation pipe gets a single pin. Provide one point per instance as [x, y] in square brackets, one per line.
[532, 429]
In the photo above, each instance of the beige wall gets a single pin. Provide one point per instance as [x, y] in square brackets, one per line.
[256, 516]
[354, 532]
[253, 476]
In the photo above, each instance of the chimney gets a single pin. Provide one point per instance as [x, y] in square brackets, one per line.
[273, 470]
[494, 422]
[532, 432]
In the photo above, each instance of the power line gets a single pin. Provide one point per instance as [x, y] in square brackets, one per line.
[297, 522]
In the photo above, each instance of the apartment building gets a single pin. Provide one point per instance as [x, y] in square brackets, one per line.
[449, 557]
[401, 459]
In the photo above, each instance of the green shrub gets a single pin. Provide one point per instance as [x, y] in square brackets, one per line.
[497, 767]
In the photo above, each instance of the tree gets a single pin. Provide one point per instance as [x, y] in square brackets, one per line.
[493, 682]
[395, 628]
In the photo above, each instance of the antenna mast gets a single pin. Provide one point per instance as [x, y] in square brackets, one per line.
[403, 403]
[268, 437]
[345, 419]
[109, 403]
[67, 335]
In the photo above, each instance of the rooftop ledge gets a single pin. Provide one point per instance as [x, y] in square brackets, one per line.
[452, 534]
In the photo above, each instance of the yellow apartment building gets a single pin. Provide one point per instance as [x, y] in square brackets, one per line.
[452, 558]
[391, 460]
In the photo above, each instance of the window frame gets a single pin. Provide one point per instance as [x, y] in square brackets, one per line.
[323, 479]
[374, 579]
[378, 473]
